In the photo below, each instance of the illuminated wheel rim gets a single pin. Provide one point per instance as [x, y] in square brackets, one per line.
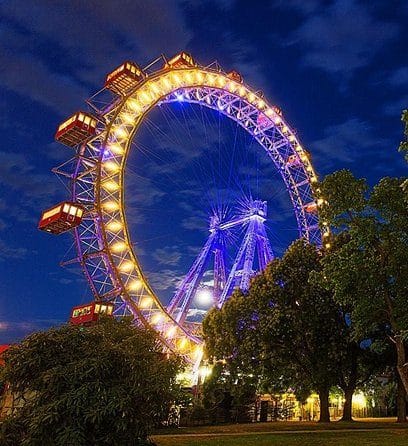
[103, 243]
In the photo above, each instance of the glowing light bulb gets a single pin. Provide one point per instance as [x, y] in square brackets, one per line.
[126, 266]
[110, 186]
[120, 132]
[199, 77]
[183, 344]
[118, 246]
[251, 97]
[135, 285]
[154, 87]
[171, 331]
[232, 86]
[176, 78]
[156, 318]
[134, 105]
[116, 148]
[188, 77]
[146, 302]
[110, 206]
[114, 226]
[166, 83]
[221, 81]
[198, 351]
[211, 79]
[111, 166]
[127, 118]
[269, 112]
[144, 97]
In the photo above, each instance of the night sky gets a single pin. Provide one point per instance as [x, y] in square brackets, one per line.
[337, 69]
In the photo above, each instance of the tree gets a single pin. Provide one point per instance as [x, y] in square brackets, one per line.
[286, 331]
[369, 270]
[105, 384]
[404, 144]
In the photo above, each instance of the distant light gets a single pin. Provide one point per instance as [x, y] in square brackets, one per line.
[204, 296]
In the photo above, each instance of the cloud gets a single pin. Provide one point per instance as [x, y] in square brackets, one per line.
[395, 108]
[300, 6]
[346, 143]
[115, 31]
[399, 78]
[18, 174]
[168, 255]
[342, 38]
[166, 279]
[9, 252]
[14, 331]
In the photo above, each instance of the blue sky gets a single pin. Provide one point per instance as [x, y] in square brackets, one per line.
[338, 69]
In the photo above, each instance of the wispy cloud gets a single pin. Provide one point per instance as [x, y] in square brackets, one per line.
[9, 252]
[113, 31]
[342, 37]
[13, 331]
[168, 255]
[349, 142]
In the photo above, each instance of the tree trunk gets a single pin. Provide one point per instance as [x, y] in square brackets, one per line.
[401, 402]
[349, 387]
[324, 406]
[402, 364]
[348, 404]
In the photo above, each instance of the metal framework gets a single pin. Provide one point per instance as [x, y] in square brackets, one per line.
[255, 241]
[96, 180]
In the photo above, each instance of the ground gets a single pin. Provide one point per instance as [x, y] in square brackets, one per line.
[382, 432]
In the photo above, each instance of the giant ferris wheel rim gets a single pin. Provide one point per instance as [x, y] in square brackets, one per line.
[103, 242]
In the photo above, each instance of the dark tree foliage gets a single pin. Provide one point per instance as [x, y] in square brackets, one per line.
[368, 267]
[106, 384]
[289, 333]
[226, 397]
[404, 144]
[286, 331]
[404, 148]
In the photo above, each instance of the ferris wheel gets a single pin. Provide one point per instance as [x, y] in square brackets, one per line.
[101, 140]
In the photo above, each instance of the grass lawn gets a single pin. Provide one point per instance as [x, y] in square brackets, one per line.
[314, 438]
[364, 433]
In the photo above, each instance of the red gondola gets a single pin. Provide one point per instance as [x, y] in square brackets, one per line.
[124, 78]
[235, 76]
[311, 207]
[3, 348]
[293, 160]
[89, 313]
[61, 218]
[76, 129]
[181, 60]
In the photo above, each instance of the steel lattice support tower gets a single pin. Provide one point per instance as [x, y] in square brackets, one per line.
[255, 242]
[215, 245]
